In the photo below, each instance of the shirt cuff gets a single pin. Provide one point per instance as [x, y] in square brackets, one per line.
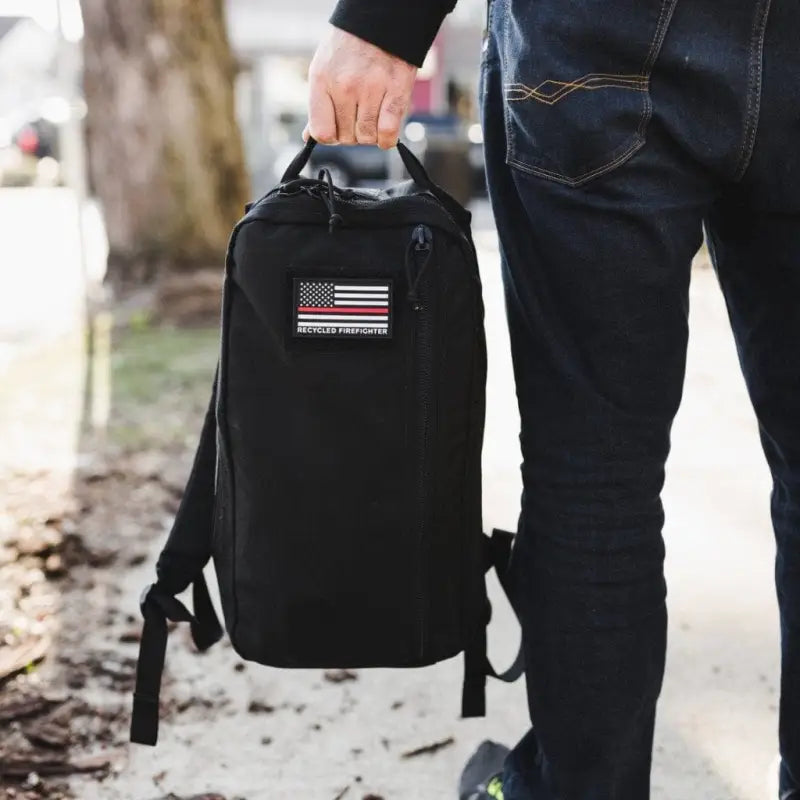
[404, 29]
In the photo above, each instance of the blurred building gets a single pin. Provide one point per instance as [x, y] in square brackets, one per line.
[275, 41]
[27, 68]
[270, 28]
[34, 84]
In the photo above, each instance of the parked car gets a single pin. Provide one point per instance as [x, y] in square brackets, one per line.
[355, 165]
[28, 156]
[38, 138]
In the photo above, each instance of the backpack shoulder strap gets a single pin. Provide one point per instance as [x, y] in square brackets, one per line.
[477, 666]
[181, 563]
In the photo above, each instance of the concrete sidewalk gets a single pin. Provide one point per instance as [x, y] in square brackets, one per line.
[717, 725]
[41, 268]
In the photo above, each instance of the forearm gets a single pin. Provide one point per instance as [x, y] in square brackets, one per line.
[404, 28]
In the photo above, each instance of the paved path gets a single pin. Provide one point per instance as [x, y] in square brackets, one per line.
[717, 724]
[40, 265]
[42, 313]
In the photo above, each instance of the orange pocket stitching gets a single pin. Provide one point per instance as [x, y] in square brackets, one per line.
[517, 92]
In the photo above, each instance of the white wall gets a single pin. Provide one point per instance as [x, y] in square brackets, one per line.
[277, 26]
[293, 26]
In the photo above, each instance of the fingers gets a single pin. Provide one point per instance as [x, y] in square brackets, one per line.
[367, 118]
[344, 94]
[374, 119]
[359, 93]
[393, 109]
[348, 113]
[321, 116]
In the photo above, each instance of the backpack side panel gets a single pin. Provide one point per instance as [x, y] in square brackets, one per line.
[454, 559]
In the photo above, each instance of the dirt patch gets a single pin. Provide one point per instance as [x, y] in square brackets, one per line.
[64, 701]
[67, 631]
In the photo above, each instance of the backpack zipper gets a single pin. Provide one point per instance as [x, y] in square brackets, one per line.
[418, 256]
[421, 249]
[359, 200]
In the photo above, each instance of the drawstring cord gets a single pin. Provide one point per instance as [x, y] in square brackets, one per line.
[419, 241]
[334, 219]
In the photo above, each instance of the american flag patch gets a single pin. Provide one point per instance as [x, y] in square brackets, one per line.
[342, 308]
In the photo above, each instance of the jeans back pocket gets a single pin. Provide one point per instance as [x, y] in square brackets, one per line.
[576, 77]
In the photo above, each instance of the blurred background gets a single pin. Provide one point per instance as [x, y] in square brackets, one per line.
[172, 118]
[131, 136]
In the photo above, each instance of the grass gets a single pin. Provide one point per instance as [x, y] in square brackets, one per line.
[148, 364]
[126, 389]
[160, 384]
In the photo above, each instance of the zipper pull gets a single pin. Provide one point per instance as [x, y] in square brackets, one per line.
[419, 248]
[423, 238]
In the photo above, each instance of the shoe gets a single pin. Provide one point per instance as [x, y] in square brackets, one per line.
[482, 778]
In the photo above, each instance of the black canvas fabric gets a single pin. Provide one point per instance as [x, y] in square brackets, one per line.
[337, 484]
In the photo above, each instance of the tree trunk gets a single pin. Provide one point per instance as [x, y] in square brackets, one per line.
[165, 151]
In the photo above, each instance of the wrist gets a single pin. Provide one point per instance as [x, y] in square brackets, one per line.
[404, 30]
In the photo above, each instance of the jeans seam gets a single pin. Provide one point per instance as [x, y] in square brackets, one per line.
[487, 57]
[502, 45]
[667, 11]
[638, 143]
[755, 69]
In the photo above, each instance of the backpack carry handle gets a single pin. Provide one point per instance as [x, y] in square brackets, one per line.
[415, 170]
[411, 162]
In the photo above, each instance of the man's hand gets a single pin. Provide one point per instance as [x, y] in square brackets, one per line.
[359, 93]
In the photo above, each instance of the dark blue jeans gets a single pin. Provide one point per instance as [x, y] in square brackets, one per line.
[616, 130]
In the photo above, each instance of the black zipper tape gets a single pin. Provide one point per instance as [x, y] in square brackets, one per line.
[424, 357]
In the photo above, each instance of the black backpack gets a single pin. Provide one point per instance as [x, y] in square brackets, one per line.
[337, 483]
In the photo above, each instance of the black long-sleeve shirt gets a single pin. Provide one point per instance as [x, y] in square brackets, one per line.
[405, 28]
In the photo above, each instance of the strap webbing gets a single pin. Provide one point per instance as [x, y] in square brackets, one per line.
[477, 667]
[188, 546]
[159, 606]
[181, 563]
